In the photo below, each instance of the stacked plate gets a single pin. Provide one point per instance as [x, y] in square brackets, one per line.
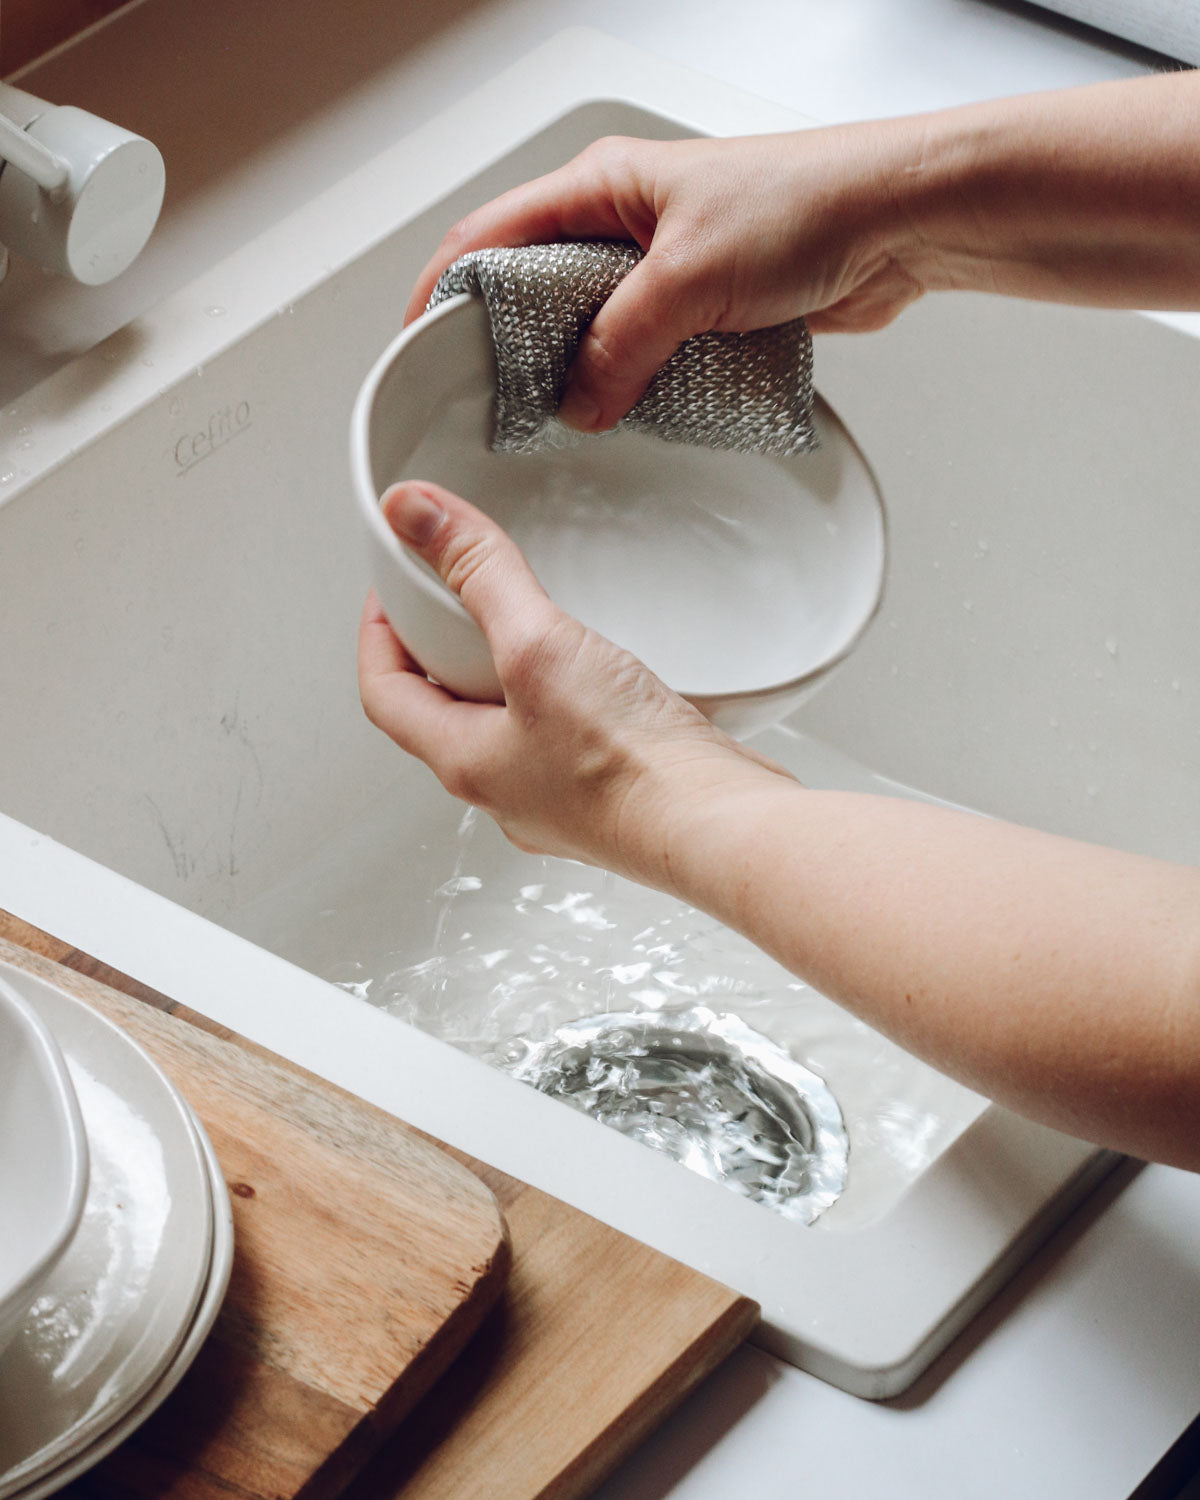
[124, 1309]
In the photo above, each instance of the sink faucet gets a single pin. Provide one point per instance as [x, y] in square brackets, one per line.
[78, 194]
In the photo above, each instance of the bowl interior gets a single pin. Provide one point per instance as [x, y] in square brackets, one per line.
[43, 1156]
[726, 573]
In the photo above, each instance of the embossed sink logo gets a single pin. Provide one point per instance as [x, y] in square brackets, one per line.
[223, 426]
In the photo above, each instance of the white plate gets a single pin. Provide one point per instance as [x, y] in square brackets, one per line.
[206, 1315]
[119, 1303]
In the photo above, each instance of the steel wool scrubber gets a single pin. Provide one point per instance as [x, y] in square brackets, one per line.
[751, 392]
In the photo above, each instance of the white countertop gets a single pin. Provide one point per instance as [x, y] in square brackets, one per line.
[1084, 1371]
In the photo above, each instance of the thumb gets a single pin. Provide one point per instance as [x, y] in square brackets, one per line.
[472, 556]
[633, 335]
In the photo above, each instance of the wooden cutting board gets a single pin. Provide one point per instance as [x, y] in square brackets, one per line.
[365, 1260]
[592, 1338]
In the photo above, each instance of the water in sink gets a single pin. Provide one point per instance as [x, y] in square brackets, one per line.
[492, 949]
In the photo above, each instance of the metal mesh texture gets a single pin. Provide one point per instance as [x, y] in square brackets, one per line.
[751, 392]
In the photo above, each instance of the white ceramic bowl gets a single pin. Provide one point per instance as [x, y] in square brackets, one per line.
[740, 579]
[43, 1158]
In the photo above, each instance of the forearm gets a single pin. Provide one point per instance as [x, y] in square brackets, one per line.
[1088, 195]
[1056, 977]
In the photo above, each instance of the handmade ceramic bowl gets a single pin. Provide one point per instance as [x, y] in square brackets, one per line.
[740, 579]
[43, 1158]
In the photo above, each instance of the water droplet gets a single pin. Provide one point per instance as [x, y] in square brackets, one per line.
[1110, 645]
[215, 311]
[983, 545]
[968, 605]
[6, 475]
[1175, 684]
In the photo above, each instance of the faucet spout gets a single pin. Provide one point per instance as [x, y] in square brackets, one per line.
[78, 194]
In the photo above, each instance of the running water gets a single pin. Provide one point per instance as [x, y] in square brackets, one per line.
[512, 947]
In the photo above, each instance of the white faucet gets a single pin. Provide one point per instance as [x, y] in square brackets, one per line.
[78, 194]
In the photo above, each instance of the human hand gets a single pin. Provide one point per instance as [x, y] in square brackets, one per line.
[590, 757]
[738, 234]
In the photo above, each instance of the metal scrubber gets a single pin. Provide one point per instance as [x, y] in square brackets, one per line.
[751, 392]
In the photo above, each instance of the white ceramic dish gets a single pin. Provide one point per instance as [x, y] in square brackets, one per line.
[116, 1308]
[740, 579]
[43, 1158]
[220, 1266]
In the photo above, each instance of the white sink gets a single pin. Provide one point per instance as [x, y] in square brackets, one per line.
[191, 789]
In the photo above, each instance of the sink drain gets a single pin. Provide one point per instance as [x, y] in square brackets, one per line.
[720, 1098]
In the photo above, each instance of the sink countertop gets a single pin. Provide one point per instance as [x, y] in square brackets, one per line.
[1083, 1372]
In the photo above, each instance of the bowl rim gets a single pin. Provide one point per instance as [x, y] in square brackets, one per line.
[435, 590]
[54, 1071]
[368, 497]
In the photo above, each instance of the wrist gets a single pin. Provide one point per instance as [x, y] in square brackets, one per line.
[941, 173]
[1084, 195]
[697, 823]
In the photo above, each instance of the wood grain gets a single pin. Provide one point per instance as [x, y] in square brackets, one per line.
[595, 1339]
[365, 1258]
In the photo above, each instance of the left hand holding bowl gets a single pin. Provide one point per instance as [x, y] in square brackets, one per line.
[590, 756]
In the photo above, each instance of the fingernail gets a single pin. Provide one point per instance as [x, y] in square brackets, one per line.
[578, 410]
[413, 512]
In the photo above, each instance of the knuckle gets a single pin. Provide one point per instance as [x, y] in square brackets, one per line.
[462, 779]
[370, 707]
[464, 557]
[680, 272]
[524, 661]
[604, 354]
[459, 234]
[532, 659]
[612, 151]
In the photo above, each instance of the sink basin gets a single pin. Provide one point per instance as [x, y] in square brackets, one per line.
[190, 790]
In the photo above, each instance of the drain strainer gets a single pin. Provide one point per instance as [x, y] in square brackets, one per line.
[720, 1098]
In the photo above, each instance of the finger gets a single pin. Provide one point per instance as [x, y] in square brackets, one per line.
[633, 335]
[565, 205]
[474, 558]
[380, 651]
[420, 716]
